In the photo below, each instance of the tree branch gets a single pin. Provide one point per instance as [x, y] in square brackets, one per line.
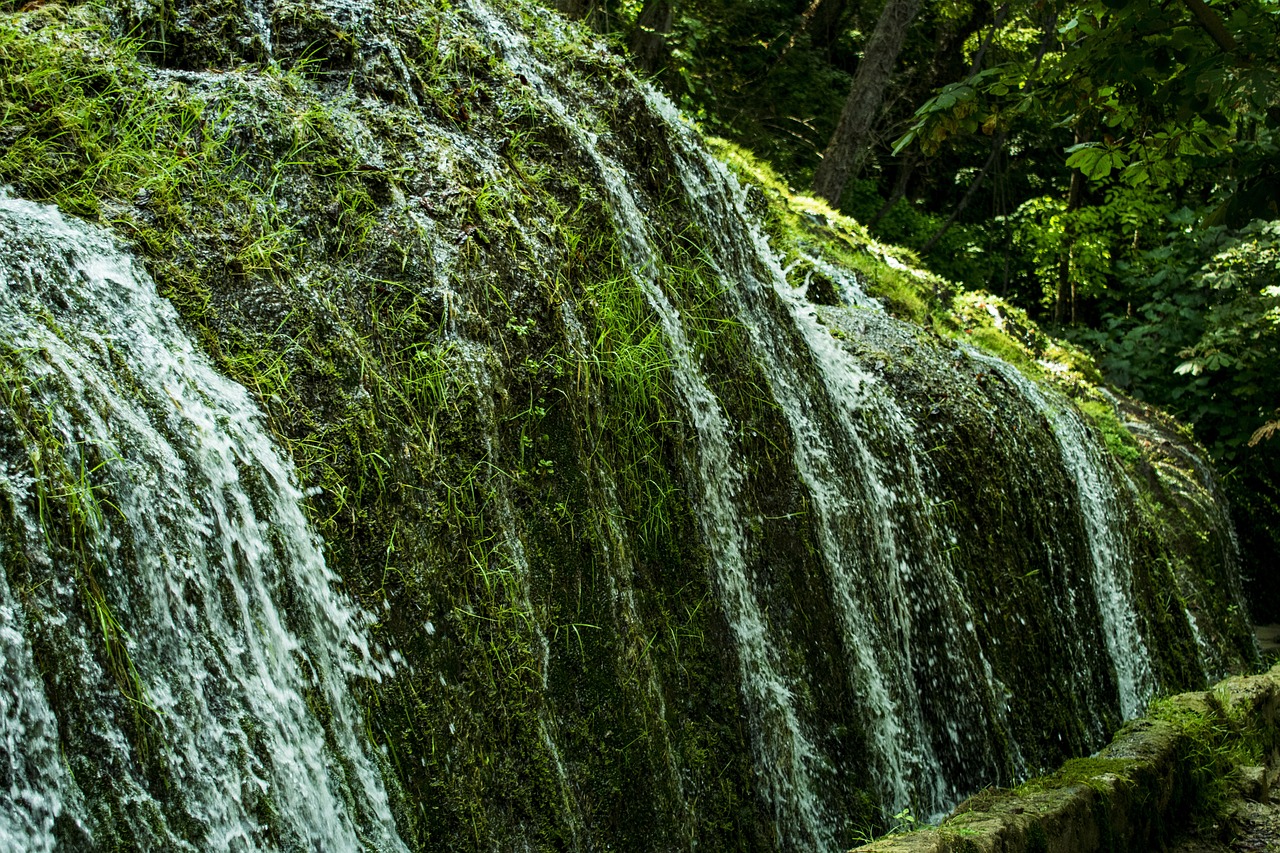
[1212, 24]
[996, 147]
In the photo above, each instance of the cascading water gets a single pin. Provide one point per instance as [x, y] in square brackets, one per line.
[880, 539]
[36, 788]
[163, 575]
[786, 758]
[841, 569]
[1104, 527]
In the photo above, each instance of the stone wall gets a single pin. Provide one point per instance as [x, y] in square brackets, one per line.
[1159, 775]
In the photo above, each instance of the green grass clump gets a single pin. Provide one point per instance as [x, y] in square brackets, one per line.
[88, 129]
[1213, 747]
[1119, 440]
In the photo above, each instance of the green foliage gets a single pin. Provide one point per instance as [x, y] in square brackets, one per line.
[1212, 747]
[1199, 333]
[307, 270]
[965, 252]
[1159, 87]
[1192, 326]
[1119, 440]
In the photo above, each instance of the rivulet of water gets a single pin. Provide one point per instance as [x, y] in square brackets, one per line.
[162, 551]
[785, 756]
[1111, 578]
[909, 637]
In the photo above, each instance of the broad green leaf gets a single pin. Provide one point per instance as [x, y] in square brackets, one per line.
[904, 141]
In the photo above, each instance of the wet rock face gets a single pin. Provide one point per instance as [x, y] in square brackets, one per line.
[221, 35]
[669, 555]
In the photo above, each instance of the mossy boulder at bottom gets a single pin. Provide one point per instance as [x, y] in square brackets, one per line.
[1158, 776]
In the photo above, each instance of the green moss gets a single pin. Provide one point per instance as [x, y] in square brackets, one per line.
[799, 225]
[1080, 771]
[325, 318]
[1119, 440]
[1212, 747]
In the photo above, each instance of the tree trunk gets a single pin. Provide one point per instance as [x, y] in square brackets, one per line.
[578, 9]
[827, 22]
[848, 144]
[649, 45]
[1212, 24]
[822, 20]
[1066, 301]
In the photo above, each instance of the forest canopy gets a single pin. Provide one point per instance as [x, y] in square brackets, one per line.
[1109, 166]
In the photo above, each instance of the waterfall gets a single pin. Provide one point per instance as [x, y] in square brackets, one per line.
[163, 573]
[785, 757]
[36, 788]
[680, 556]
[880, 539]
[1109, 554]
[936, 712]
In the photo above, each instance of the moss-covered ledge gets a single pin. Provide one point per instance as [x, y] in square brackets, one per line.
[1160, 774]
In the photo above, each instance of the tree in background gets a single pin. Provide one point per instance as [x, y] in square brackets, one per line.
[849, 143]
[650, 34]
[1151, 106]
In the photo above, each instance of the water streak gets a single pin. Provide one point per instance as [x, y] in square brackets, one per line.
[36, 786]
[1109, 551]
[512, 574]
[191, 539]
[879, 537]
[785, 756]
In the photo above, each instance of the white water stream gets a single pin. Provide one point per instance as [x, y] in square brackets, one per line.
[36, 784]
[1110, 559]
[785, 758]
[193, 539]
[881, 541]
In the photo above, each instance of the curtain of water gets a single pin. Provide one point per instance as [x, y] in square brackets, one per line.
[786, 757]
[161, 536]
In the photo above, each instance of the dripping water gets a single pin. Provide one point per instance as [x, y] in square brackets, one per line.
[515, 577]
[884, 576]
[199, 581]
[1109, 552]
[785, 756]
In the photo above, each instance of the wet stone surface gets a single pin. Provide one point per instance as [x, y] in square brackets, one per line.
[1268, 638]
[1250, 827]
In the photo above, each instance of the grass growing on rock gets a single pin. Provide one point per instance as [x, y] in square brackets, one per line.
[426, 324]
